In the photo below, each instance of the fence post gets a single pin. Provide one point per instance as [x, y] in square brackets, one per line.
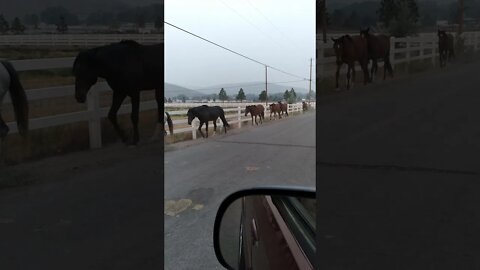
[194, 130]
[94, 122]
[239, 117]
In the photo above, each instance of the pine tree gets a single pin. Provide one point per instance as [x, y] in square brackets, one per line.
[4, 26]
[263, 96]
[222, 95]
[17, 26]
[241, 95]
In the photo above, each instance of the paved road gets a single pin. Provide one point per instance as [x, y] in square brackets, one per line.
[278, 153]
[104, 209]
[398, 167]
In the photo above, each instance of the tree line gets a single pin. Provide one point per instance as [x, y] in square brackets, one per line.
[62, 18]
[290, 96]
[399, 17]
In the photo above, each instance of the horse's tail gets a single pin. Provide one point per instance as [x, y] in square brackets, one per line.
[19, 99]
[224, 121]
[170, 123]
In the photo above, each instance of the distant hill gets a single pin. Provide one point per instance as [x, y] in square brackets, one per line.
[172, 90]
[253, 88]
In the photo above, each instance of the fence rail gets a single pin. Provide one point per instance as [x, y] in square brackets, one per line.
[234, 113]
[402, 50]
[95, 112]
[84, 40]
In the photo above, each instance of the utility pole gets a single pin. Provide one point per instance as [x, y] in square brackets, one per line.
[266, 91]
[310, 87]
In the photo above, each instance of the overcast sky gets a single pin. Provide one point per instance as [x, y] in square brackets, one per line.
[280, 33]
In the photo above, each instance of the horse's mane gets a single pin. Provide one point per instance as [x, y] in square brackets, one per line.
[130, 42]
[84, 57]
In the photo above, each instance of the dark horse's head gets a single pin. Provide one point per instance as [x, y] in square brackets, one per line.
[85, 72]
[339, 46]
[442, 36]
[248, 109]
[365, 33]
[191, 115]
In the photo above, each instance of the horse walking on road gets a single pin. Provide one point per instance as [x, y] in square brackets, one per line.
[378, 48]
[9, 82]
[205, 113]
[445, 47]
[128, 67]
[305, 106]
[283, 108]
[275, 109]
[167, 119]
[349, 50]
[256, 110]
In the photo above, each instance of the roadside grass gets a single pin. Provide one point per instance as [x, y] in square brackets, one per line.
[32, 52]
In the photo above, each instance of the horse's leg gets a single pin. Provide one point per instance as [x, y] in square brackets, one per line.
[256, 120]
[135, 100]
[252, 118]
[215, 126]
[348, 76]
[3, 128]
[206, 127]
[353, 77]
[337, 74]
[160, 125]
[117, 100]
[200, 129]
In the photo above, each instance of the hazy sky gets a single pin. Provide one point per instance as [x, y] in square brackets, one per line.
[280, 33]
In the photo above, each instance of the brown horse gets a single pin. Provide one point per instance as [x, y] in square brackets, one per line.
[255, 110]
[275, 109]
[305, 106]
[348, 50]
[283, 108]
[445, 47]
[378, 48]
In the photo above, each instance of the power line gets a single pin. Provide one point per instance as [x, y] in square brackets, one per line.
[232, 51]
[253, 25]
[271, 23]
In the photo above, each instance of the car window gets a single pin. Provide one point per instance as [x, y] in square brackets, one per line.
[299, 215]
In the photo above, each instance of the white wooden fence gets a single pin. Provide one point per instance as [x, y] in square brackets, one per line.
[85, 40]
[94, 112]
[234, 114]
[402, 50]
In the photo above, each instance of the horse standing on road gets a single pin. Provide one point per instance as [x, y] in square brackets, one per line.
[10, 83]
[256, 110]
[445, 47]
[305, 106]
[128, 67]
[283, 108]
[378, 48]
[349, 50]
[275, 109]
[205, 113]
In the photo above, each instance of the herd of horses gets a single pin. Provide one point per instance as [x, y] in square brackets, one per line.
[367, 47]
[206, 113]
[129, 68]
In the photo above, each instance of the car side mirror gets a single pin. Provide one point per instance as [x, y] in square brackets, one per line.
[267, 228]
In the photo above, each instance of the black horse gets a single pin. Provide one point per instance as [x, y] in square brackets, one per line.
[10, 83]
[205, 113]
[128, 67]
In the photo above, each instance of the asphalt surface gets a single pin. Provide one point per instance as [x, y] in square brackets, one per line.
[281, 152]
[398, 173]
[104, 209]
